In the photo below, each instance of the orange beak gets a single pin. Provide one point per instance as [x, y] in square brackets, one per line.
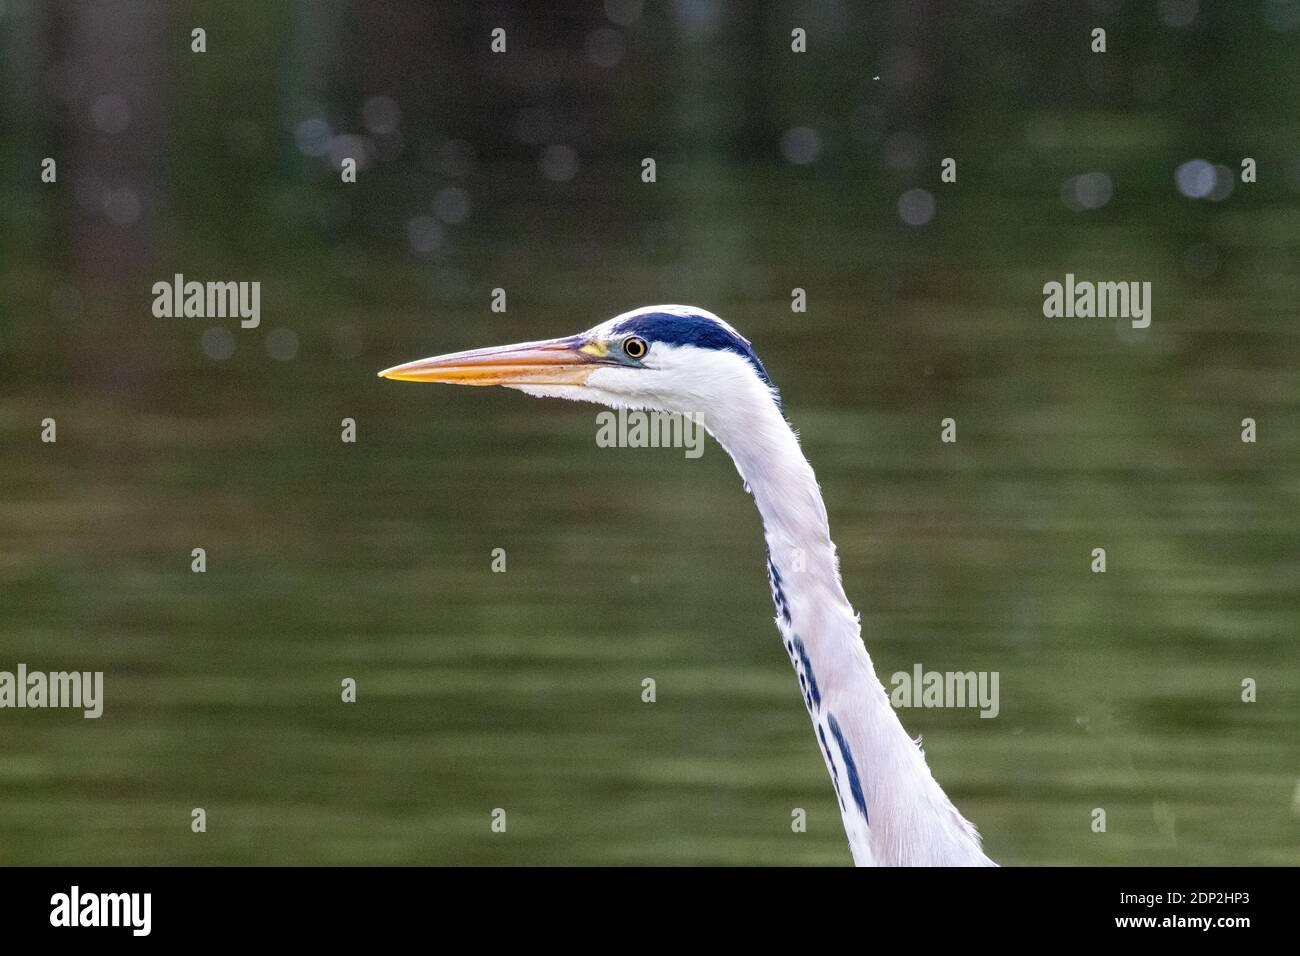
[564, 361]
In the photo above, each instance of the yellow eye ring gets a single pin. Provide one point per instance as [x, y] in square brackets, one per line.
[635, 347]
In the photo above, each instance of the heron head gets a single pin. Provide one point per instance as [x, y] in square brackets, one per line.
[666, 357]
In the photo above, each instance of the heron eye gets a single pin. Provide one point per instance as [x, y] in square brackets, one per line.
[635, 347]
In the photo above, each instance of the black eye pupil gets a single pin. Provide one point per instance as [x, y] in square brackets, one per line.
[635, 347]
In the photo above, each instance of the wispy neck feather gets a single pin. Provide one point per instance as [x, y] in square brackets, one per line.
[894, 812]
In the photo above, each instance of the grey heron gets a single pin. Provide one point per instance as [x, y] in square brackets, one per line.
[685, 360]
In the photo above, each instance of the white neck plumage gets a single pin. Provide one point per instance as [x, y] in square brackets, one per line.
[894, 812]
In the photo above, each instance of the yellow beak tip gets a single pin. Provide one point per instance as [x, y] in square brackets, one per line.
[552, 362]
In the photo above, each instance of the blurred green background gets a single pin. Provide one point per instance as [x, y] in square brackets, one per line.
[521, 171]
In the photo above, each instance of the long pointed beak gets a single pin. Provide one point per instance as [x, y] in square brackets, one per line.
[564, 361]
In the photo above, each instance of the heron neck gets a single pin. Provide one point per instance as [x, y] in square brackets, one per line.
[893, 810]
[767, 455]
